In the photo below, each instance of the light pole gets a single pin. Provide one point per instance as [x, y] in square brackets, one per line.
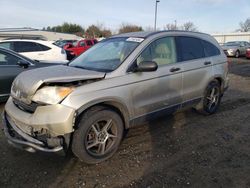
[156, 2]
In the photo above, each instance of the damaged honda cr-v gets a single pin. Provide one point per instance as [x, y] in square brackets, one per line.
[85, 106]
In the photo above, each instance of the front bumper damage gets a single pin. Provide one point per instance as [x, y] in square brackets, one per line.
[21, 140]
[35, 132]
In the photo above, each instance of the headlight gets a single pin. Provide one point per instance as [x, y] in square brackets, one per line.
[231, 50]
[52, 94]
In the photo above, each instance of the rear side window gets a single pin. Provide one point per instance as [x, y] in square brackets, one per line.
[189, 48]
[82, 43]
[29, 47]
[89, 43]
[26, 47]
[210, 49]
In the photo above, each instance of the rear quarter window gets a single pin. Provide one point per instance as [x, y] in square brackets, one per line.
[210, 49]
[43, 47]
[189, 48]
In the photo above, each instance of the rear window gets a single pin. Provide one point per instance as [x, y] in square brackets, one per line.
[189, 48]
[210, 49]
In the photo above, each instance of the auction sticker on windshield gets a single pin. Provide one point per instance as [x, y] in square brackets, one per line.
[133, 39]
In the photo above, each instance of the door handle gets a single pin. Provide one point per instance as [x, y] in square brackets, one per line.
[175, 69]
[207, 63]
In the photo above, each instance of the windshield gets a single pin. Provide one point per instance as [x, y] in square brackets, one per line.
[107, 55]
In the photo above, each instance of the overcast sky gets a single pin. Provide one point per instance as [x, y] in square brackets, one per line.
[209, 16]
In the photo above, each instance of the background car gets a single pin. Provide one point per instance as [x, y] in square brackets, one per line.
[235, 48]
[62, 43]
[11, 64]
[248, 53]
[36, 49]
[80, 46]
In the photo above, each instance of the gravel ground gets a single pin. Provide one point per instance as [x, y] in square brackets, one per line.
[182, 150]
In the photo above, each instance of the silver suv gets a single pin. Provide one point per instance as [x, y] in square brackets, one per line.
[123, 81]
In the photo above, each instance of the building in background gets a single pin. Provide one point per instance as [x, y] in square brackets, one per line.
[226, 37]
[30, 33]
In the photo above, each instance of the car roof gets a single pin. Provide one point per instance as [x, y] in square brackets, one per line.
[146, 34]
[27, 40]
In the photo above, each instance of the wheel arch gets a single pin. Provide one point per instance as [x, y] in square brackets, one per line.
[115, 105]
[219, 79]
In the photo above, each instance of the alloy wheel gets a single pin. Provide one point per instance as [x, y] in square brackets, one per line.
[101, 137]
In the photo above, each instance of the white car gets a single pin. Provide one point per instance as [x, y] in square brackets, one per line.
[36, 49]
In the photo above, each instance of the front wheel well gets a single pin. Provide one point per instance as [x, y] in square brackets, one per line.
[219, 80]
[118, 108]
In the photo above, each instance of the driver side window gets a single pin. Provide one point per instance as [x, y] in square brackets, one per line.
[161, 51]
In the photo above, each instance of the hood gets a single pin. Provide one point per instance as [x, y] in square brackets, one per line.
[26, 83]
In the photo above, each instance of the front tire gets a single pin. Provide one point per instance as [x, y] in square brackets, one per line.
[237, 54]
[98, 136]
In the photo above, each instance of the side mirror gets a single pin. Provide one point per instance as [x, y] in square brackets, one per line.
[23, 63]
[146, 66]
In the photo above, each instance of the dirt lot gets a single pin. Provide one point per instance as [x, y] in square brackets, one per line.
[183, 150]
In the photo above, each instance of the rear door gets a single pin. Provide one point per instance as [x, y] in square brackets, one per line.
[196, 66]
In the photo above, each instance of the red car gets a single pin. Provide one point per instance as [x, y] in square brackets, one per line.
[77, 48]
[248, 53]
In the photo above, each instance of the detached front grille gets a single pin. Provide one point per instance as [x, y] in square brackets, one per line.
[31, 108]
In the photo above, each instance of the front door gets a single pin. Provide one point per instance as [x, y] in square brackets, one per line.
[160, 91]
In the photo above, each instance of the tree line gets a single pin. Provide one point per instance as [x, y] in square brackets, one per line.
[98, 30]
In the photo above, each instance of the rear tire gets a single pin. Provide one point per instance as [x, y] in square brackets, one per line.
[98, 136]
[211, 100]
